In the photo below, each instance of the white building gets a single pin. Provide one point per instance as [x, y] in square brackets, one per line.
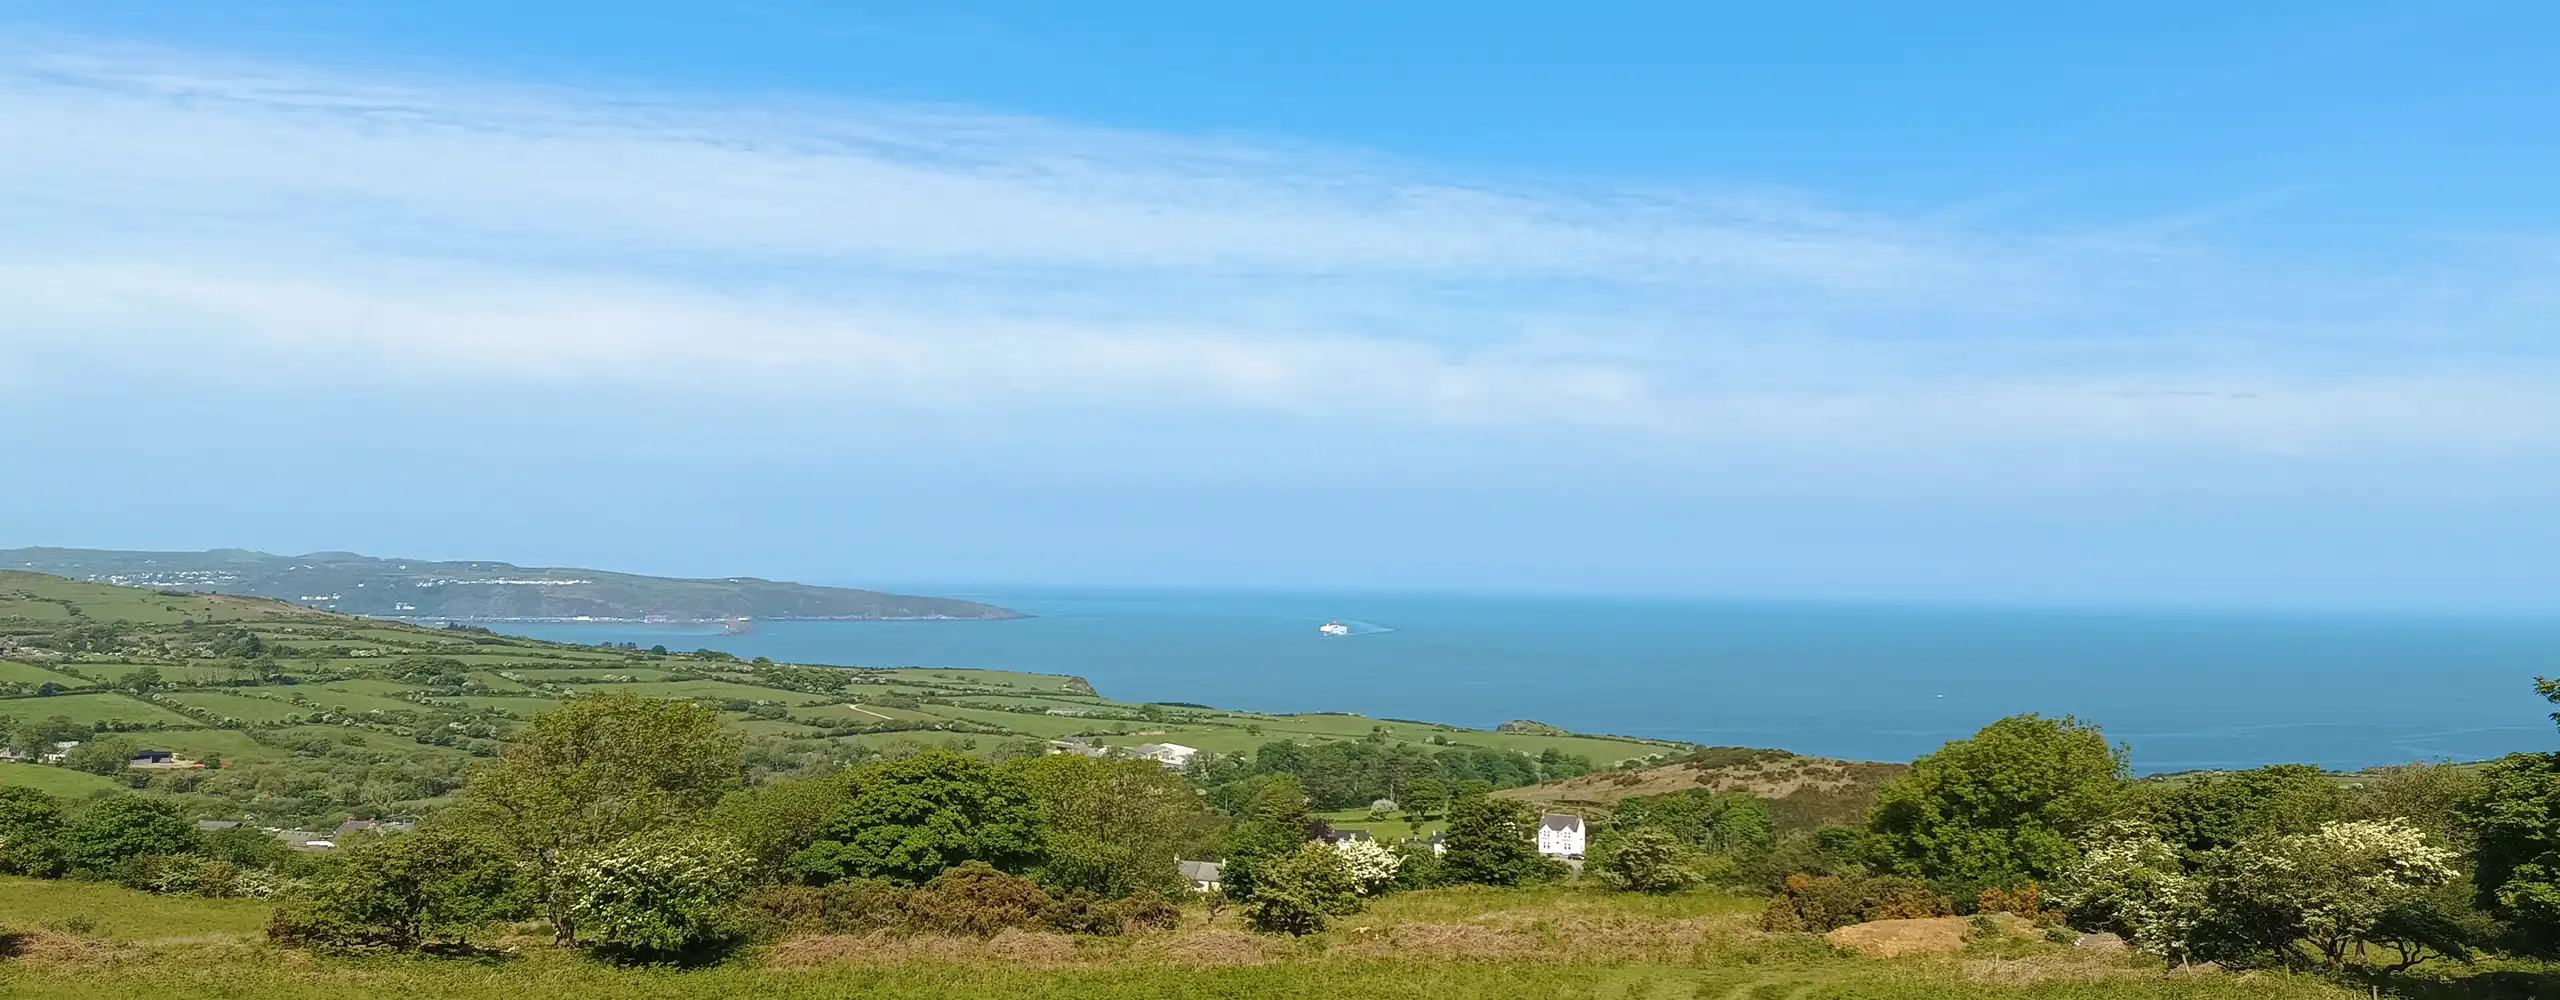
[1205, 876]
[1560, 835]
[1172, 755]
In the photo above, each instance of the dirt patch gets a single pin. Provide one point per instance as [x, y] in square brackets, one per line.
[1896, 938]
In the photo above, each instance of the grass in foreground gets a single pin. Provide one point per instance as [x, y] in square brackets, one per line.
[1447, 945]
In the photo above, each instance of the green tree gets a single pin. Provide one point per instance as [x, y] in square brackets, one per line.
[1112, 827]
[398, 891]
[1647, 860]
[597, 770]
[1735, 823]
[30, 832]
[2220, 810]
[1493, 842]
[2513, 815]
[908, 820]
[107, 755]
[114, 831]
[2002, 809]
[1295, 892]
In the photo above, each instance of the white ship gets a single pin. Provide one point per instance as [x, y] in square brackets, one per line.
[1334, 628]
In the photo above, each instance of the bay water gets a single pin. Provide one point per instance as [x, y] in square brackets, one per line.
[2185, 690]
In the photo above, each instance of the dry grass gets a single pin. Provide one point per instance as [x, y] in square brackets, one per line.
[1011, 948]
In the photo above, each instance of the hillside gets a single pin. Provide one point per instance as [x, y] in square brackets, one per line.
[1803, 792]
[479, 591]
[323, 717]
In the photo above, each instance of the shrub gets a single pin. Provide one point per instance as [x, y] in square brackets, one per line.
[1371, 866]
[30, 833]
[1647, 860]
[115, 831]
[186, 875]
[1294, 893]
[2027, 902]
[852, 906]
[976, 899]
[658, 895]
[1818, 903]
[397, 892]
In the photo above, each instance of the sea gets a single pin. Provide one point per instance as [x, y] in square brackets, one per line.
[2184, 690]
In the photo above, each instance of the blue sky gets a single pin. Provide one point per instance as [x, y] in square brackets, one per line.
[2198, 304]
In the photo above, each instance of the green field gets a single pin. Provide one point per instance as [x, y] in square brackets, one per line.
[246, 708]
[362, 670]
[31, 675]
[91, 709]
[61, 781]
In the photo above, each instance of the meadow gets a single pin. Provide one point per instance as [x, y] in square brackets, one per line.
[79, 941]
[261, 682]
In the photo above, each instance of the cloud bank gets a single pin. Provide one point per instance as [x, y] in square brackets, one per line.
[175, 212]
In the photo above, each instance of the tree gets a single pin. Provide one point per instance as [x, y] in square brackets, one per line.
[2513, 814]
[1295, 892]
[2131, 883]
[30, 832]
[1647, 860]
[1112, 827]
[398, 891]
[1371, 866]
[2002, 809]
[597, 770]
[1492, 842]
[107, 835]
[1735, 823]
[107, 755]
[660, 894]
[2331, 890]
[909, 820]
[2220, 810]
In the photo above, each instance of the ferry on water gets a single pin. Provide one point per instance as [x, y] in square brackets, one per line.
[1334, 628]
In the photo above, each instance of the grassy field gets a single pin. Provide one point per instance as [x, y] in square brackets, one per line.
[246, 708]
[60, 781]
[71, 941]
[91, 709]
[30, 674]
[367, 671]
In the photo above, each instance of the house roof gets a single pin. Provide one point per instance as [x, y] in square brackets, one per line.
[1560, 821]
[1201, 871]
[216, 824]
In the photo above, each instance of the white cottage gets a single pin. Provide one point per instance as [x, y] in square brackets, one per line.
[1560, 835]
[1172, 755]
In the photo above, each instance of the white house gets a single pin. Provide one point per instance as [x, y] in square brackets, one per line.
[1560, 835]
[1204, 875]
[1172, 755]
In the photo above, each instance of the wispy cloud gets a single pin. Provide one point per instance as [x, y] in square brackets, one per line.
[176, 209]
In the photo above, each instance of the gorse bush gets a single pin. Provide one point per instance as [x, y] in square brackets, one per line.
[976, 899]
[1819, 903]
